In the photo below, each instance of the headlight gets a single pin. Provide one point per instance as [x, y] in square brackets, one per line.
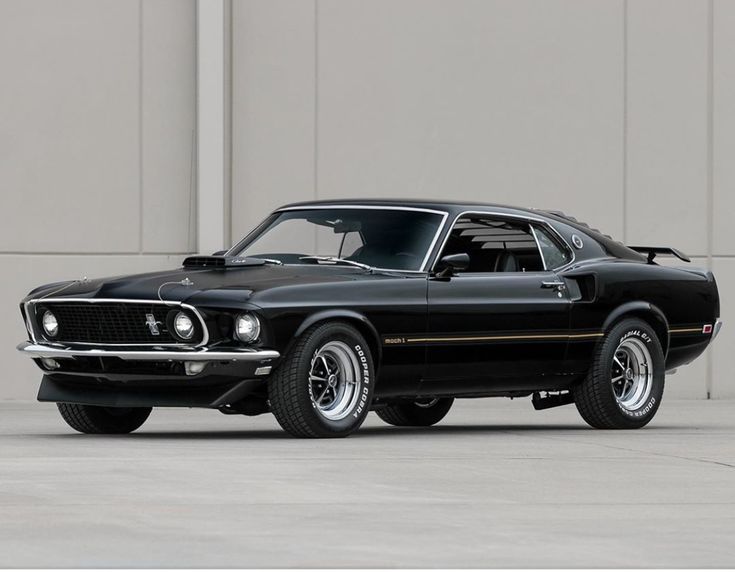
[183, 326]
[247, 328]
[50, 324]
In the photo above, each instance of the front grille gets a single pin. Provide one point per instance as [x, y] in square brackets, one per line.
[113, 322]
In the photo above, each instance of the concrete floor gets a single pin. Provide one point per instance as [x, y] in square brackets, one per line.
[495, 485]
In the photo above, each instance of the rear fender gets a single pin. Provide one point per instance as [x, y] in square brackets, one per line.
[644, 310]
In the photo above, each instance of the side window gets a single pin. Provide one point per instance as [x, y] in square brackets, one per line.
[494, 244]
[553, 253]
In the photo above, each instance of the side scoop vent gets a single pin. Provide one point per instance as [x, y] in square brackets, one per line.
[220, 262]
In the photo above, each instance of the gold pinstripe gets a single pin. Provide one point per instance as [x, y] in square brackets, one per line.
[500, 338]
[516, 337]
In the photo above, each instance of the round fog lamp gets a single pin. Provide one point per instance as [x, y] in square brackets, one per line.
[183, 326]
[247, 328]
[50, 324]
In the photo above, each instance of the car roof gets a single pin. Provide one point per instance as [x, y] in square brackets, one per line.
[612, 246]
[449, 206]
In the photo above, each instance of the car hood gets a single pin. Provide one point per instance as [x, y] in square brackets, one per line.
[202, 286]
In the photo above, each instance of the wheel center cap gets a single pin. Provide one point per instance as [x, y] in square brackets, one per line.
[629, 374]
[332, 380]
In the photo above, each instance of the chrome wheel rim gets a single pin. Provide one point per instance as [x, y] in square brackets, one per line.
[426, 403]
[632, 374]
[334, 380]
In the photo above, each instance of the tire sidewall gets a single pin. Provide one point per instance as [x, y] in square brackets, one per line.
[431, 414]
[643, 332]
[348, 335]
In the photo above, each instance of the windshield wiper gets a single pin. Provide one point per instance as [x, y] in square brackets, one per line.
[335, 260]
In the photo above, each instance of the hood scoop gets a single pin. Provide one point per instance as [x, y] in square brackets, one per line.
[221, 262]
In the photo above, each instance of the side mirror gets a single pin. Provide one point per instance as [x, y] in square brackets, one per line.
[453, 263]
[219, 253]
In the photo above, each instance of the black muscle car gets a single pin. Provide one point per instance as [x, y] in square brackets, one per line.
[328, 310]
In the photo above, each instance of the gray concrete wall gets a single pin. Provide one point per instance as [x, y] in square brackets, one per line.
[620, 113]
[97, 112]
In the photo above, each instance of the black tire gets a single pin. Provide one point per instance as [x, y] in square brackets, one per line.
[295, 398]
[417, 413]
[103, 420]
[599, 399]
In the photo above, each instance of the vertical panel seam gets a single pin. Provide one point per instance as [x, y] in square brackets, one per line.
[709, 377]
[316, 99]
[625, 121]
[227, 107]
[141, 155]
[194, 181]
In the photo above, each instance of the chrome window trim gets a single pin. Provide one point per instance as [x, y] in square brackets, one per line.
[422, 269]
[538, 245]
[364, 207]
[564, 244]
[30, 304]
[512, 216]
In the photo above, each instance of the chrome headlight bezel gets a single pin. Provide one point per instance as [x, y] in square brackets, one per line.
[246, 328]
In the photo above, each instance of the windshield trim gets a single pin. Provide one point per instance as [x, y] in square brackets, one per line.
[429, 251]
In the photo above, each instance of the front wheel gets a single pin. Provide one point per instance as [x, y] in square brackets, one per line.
[624, 387]
[324, 387]
[103, 420]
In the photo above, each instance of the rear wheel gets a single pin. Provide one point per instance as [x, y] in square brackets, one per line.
[103, 420]
[624, 387]
[420, 413]
[324, 387]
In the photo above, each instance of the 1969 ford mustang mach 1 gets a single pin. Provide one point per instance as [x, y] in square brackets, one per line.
[328, 310]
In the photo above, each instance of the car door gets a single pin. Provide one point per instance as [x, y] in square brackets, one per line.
[503, 323]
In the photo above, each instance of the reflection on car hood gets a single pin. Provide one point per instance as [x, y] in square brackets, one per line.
[207, 285]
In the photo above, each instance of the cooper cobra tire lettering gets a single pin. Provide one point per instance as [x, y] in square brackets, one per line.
[327, 400]
[365, 393]
[643, 411]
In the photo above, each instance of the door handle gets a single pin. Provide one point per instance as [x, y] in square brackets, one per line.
[556, 285]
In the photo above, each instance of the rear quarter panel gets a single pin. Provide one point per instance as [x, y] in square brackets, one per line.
[677, 301]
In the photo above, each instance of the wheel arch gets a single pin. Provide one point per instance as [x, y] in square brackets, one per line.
[645, 311]
[356, 319]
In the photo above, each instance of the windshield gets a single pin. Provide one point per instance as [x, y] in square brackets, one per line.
[381, 238]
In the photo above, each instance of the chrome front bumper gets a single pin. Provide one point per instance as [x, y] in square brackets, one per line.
[36, 350]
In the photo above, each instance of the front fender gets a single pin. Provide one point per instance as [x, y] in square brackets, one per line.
[365, 326]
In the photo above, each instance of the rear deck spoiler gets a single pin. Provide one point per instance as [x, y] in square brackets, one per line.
[652, 251]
